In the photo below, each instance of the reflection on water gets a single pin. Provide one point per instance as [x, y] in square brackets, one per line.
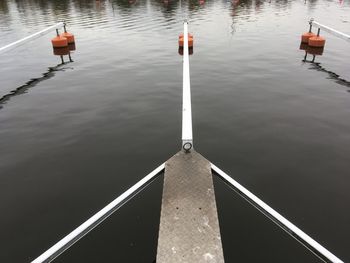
[31, 11]
[33, 82]
[83, 136]
[4, 7]
[331, 75]
[316, 52]
[65, 55]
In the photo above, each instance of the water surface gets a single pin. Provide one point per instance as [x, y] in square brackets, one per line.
[74, 136]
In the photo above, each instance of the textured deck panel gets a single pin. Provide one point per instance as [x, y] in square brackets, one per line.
[189, 227]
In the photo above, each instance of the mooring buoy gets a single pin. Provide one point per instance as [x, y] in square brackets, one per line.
[190, 40]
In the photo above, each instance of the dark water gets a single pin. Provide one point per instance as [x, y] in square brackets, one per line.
[79, 134]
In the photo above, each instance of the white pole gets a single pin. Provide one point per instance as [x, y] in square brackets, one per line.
[187, 140]
[96, 219]
[330, 30]
[28, 38]
[290, 228]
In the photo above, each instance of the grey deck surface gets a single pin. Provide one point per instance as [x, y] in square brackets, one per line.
[189, 227]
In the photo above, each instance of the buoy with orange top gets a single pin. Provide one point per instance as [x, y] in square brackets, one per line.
[306, 36]
[69, 36]
[190, 40]
[59, 41]
[317, 41]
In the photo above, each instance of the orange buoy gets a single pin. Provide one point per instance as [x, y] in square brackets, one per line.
[190, 40]
[61, 51]
[69, 36]
[71, 47]
[306, 36]
[59, 41]
[303, 46]
[316, 51]
[317, 41]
